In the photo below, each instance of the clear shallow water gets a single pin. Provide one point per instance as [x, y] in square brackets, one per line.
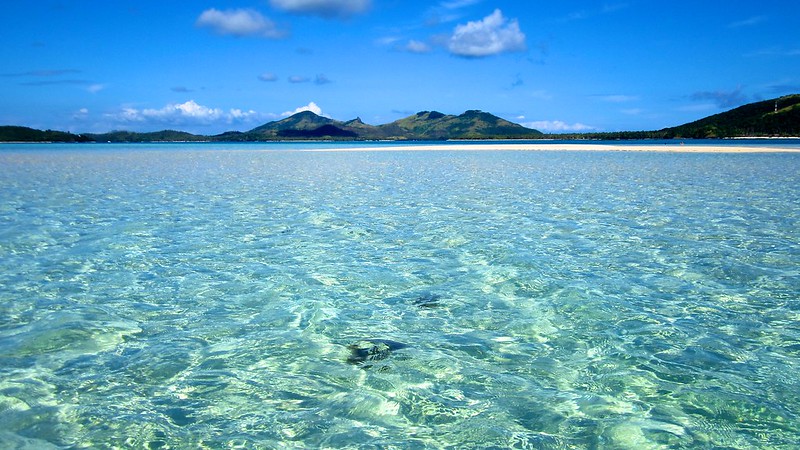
[189, 298]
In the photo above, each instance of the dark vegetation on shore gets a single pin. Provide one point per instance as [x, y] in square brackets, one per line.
[778, 117]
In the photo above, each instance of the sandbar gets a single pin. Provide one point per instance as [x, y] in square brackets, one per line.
[547, 146]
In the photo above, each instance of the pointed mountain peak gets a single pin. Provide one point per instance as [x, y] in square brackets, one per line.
[356, 121]
[429, 115]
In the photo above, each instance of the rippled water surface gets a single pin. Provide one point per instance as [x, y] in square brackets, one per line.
[193, 297]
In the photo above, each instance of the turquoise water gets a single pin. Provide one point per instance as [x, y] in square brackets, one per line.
[191, 297]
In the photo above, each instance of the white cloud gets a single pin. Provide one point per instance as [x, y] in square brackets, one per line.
[414, 46]
[95, 88]
[81, 114]
[239, 22]
[295, 79]
[557, 126]
[188, 113]
[268, 76]
[311, 106]
[493, 35]
[323, 8]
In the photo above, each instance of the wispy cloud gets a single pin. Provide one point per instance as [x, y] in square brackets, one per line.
[492, 35]
[557, 126]
[297, 79]
[784, 86]
[458, 4]
[775, 52]
[749, 22]
[329, 9]
[268, 77]
[723, 99]
[322, 79]
[448, 11]
[52, 77]
[415, 46]
[240, 23]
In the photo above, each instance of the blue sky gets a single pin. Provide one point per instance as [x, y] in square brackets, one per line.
[211, 66]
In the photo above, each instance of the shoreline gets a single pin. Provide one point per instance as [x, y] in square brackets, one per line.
[505, 146]
[466, 146]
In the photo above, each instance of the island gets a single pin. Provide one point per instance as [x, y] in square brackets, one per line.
[778, 117]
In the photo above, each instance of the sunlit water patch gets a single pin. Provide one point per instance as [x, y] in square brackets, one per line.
[196, 298]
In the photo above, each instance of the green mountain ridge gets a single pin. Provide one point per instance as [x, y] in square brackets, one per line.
[425, 125]
[12, 133]
[778, 117]
[775, 117]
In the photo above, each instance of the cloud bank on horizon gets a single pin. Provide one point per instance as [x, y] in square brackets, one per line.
[220, 65]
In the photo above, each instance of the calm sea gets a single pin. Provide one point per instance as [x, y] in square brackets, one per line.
[245, 296]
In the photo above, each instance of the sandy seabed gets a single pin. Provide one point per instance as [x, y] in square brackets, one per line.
[674, 148]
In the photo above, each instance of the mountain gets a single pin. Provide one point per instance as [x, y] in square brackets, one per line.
[776, 117]
[303, 125]
[433, 125]
[425, 125]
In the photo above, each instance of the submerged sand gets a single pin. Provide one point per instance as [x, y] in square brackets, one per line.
[545, 146]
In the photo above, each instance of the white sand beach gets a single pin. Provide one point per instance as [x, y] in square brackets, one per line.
[547, 146]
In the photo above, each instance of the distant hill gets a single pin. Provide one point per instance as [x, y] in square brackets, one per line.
[776, 117]
[759, 119]
[156, 136]
[433, 125]
[426, 125]
[25, 134]
[303, 125]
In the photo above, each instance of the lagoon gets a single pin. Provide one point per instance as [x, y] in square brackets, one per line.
[209, 296]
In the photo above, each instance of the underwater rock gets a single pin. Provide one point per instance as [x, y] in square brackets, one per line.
[421, 300]
[427, 300]
[372, 350]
